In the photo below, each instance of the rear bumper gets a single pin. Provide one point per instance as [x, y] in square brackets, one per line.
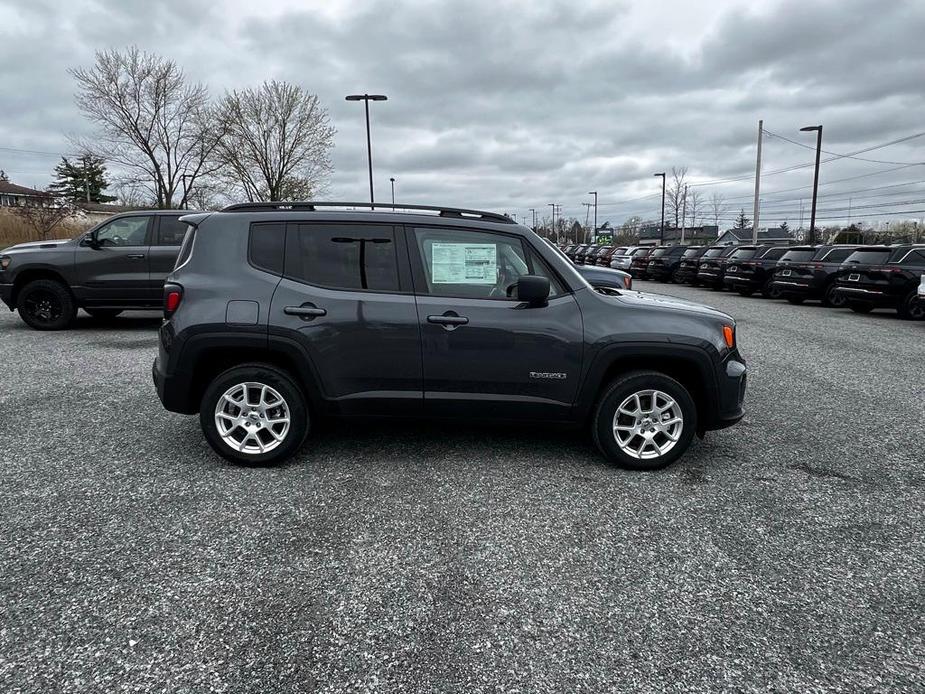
[173, 390]
[6, 295]
[868, 296]
[737, 282]
[791, 288]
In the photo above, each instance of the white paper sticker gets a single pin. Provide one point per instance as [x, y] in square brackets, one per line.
[464, 263]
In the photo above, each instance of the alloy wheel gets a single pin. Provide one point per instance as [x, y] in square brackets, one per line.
[252, 418]
[648, 424]
[43, 306]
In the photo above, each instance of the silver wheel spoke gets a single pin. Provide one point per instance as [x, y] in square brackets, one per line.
[640, 426]
[239, 420]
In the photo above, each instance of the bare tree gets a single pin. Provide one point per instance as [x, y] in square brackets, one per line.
[152, 121]
[277, 142]
[631, 226]
[718, 207]
[694, 207]
[674, 193]
[46, 216]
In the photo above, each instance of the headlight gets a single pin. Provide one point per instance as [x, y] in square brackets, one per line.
[5, 261]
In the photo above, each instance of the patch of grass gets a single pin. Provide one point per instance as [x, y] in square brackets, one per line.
[15, 230]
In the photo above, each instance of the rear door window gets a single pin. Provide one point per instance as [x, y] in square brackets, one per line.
[359, 257]
[170, 231]
[836, 255]
[799, 256]
[913, 257]
[743, 253]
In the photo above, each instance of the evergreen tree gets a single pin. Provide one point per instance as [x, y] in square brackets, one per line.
[82, 179]
[742, 222]
[4, 177]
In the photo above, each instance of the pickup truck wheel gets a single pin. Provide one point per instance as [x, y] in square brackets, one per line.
[103, 313]
[644, 421]
[254, 414]
[46, 305]
[911, 308]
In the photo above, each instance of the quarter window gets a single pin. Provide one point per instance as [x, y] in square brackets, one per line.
[265, 246]
[170, 231]
[359, 257]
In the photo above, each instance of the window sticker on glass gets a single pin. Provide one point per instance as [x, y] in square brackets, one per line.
[464, 263]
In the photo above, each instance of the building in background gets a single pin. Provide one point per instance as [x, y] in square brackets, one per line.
[649, 235]
[736, 237]
[12, 195]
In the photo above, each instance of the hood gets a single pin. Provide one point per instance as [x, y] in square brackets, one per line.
[35, 245]
[647, 300]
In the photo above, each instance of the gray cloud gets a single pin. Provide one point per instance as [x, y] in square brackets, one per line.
[512, 106]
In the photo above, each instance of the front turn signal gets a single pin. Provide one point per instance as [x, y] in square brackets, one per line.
[729, 335]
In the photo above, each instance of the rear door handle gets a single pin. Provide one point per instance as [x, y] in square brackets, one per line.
[305, 312]
[448, 320]
[135, 256]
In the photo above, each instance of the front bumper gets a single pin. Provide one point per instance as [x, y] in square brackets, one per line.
[6, 295]
[731, 401]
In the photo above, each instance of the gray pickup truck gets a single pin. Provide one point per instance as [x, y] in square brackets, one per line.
[118, 265]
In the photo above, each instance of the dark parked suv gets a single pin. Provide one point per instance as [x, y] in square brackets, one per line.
[687, 267]
[751, 268]
[279, 314]
[664, 262]
[120, 264]
[883, 277]
[711, 268]
[808, 272]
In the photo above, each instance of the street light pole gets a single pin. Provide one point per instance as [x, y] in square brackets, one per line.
[392, 181]
[812, 214]
[369, 146]
[661, 233]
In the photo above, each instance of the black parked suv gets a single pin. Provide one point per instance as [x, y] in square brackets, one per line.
[118, 265]
[278, 314]
[883, 277]
[687, 267]
[751, 268]
[711, 267]
[664, 262]
[808, 272]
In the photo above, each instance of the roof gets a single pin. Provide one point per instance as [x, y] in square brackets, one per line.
[763, 234]
[112, 209]
[652, 231]
[13, 189]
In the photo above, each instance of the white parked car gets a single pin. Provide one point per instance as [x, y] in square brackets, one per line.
[922, 288]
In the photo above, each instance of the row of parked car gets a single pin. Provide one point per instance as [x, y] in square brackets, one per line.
[859, 277]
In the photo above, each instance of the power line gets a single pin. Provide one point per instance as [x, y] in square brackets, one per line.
[835, 155]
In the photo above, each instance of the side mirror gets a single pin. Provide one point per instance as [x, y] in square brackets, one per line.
[533, 289]
[90, 240]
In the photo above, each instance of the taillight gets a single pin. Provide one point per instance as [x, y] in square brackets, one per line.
[173, 295]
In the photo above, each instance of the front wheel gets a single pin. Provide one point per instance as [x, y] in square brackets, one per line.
[912, 308]
[254, 414]
[644, 421]
[46, 305]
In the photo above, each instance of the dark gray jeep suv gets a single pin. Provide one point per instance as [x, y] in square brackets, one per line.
[119, 264]
[277, 314]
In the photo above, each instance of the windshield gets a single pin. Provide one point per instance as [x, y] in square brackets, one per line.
[873, 257]
[800, 256]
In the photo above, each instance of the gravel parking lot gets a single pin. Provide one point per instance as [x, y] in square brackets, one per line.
[786, 554]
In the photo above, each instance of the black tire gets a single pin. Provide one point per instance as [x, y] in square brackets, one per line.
[613, 397]
[796, 300]
[745, 292]
[768, 291]
[859, 306]
[911, 307]
[831, 298]
[292, 396]
[46, 305]
[103, 313]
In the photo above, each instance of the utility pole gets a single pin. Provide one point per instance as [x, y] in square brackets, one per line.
[757, 207]
[594, 193]
[812, 214]
[661, 233]
[801, 214]
[533, 210]
[554, 230]
[587, 206]
[683, 214]
[849, 210]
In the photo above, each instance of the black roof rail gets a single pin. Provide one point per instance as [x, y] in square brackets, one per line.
[309, 206]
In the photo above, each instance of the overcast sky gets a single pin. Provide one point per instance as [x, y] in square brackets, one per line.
[510, 106]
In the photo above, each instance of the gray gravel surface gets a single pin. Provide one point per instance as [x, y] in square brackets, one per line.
[786, 554]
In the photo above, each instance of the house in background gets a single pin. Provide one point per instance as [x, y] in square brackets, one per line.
[649, 235]
[12, 195]
[736, 237]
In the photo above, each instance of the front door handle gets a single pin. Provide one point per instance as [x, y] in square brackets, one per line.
[305, 311]
[135, 256]
[448, 320]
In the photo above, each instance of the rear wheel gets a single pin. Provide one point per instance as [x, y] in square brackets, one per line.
[860, 306]
[103, 313]
[769, 291]
[46, 305]
[644, 421]
[911, 307]
[745, 292]
[254, 414]
[831, 298]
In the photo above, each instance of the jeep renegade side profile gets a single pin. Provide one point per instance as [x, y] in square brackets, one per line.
[277, 314]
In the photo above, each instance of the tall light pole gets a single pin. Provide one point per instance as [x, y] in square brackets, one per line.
[594, 193]
[369, 147]
[392, 181]
[661, 233]
[812, 214]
